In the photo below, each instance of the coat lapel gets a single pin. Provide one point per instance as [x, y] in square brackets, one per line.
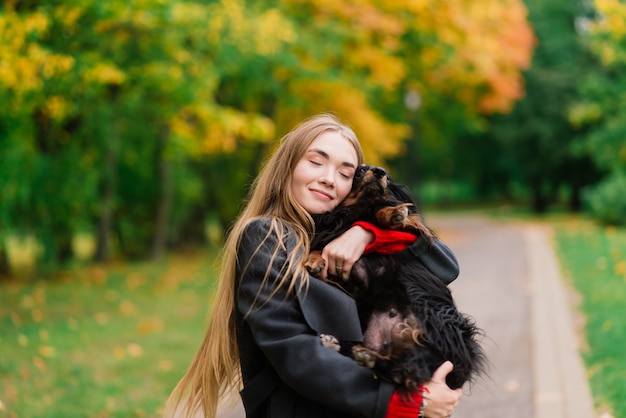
[329, 310]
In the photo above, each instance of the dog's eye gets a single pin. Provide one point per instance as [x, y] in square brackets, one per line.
[393, 313]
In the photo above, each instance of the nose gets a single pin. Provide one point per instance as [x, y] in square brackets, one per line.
[379, 172]
[385, 348]
[328, 178]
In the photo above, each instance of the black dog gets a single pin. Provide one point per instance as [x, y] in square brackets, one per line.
[410, 322]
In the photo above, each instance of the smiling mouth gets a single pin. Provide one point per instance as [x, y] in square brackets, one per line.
[322, 194]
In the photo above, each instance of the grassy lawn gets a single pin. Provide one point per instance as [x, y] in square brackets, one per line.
[102, 341]
[594, 258]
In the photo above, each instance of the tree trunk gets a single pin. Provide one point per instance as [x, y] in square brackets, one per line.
[107, 190]
[539, 200]
[167, 196]
[575, 198]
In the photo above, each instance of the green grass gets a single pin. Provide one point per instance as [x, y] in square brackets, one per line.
[102, 341]
[595, 259]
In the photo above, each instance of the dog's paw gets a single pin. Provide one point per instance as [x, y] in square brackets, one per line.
[329, 341]
[364, 356]
[315, 264]
[393, 217]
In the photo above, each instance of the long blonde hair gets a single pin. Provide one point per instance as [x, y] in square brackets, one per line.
[215, 372]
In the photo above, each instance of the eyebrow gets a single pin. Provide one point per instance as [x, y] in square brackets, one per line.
[325, 155]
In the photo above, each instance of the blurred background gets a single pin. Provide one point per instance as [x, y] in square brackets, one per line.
[130, 128]
[130, 131]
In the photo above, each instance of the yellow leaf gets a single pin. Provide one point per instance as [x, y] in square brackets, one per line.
[134, 350]
[104, 73]
[166, 365]
[56, 107]
[47, 351]
[37, 315]
[101, 318]
[40, 364]
[149, 326]
[134, 280]
[119, 353]
[127, 308]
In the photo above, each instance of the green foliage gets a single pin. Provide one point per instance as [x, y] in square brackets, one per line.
[606, 200]
[536, 141]
[599, 114]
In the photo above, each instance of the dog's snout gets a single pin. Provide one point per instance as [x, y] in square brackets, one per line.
[379, 172]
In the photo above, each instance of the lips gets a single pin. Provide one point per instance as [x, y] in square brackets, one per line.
[322, 194]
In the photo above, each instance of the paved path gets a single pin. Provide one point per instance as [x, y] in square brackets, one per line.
[510, 284]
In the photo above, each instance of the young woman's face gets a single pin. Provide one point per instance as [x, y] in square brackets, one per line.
[323, 176]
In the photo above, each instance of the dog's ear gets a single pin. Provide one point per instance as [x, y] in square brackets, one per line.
[401, 192]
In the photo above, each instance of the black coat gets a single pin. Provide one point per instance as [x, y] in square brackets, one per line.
[286, 370]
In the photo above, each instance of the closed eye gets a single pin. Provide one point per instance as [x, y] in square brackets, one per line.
[346, 176]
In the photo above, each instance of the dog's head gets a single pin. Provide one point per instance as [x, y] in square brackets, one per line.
[374, 184]
[391, 332]
[370, 184]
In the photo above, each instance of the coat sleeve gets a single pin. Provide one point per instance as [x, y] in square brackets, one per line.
[287, 327]
[437, 258]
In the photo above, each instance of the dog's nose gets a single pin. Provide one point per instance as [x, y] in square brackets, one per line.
[379, 172]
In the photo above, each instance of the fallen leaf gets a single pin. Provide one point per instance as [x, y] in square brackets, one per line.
[134, 350]
[101, 318]
[134, 280]
[36, 315]
[149, 326]
[166, 365]
[119, 353]
[39, 364]
[127, 308]
[47, 351]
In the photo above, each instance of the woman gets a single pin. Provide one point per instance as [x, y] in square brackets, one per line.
[269, 313]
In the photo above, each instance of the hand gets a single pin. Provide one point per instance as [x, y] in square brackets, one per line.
[341, 253]
[440, 399]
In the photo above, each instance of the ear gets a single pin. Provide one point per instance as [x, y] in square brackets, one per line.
[401, 192]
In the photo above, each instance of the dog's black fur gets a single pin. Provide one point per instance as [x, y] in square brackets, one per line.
[409, 311]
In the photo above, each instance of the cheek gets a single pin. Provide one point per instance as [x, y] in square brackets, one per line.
[297, 177]
[343, 189]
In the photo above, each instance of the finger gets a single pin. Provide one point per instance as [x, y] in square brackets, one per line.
[442, 371]
[347, 268]
[333, 265]
[459, 394]
[324, 274]
[339, 267]
[325, 271]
